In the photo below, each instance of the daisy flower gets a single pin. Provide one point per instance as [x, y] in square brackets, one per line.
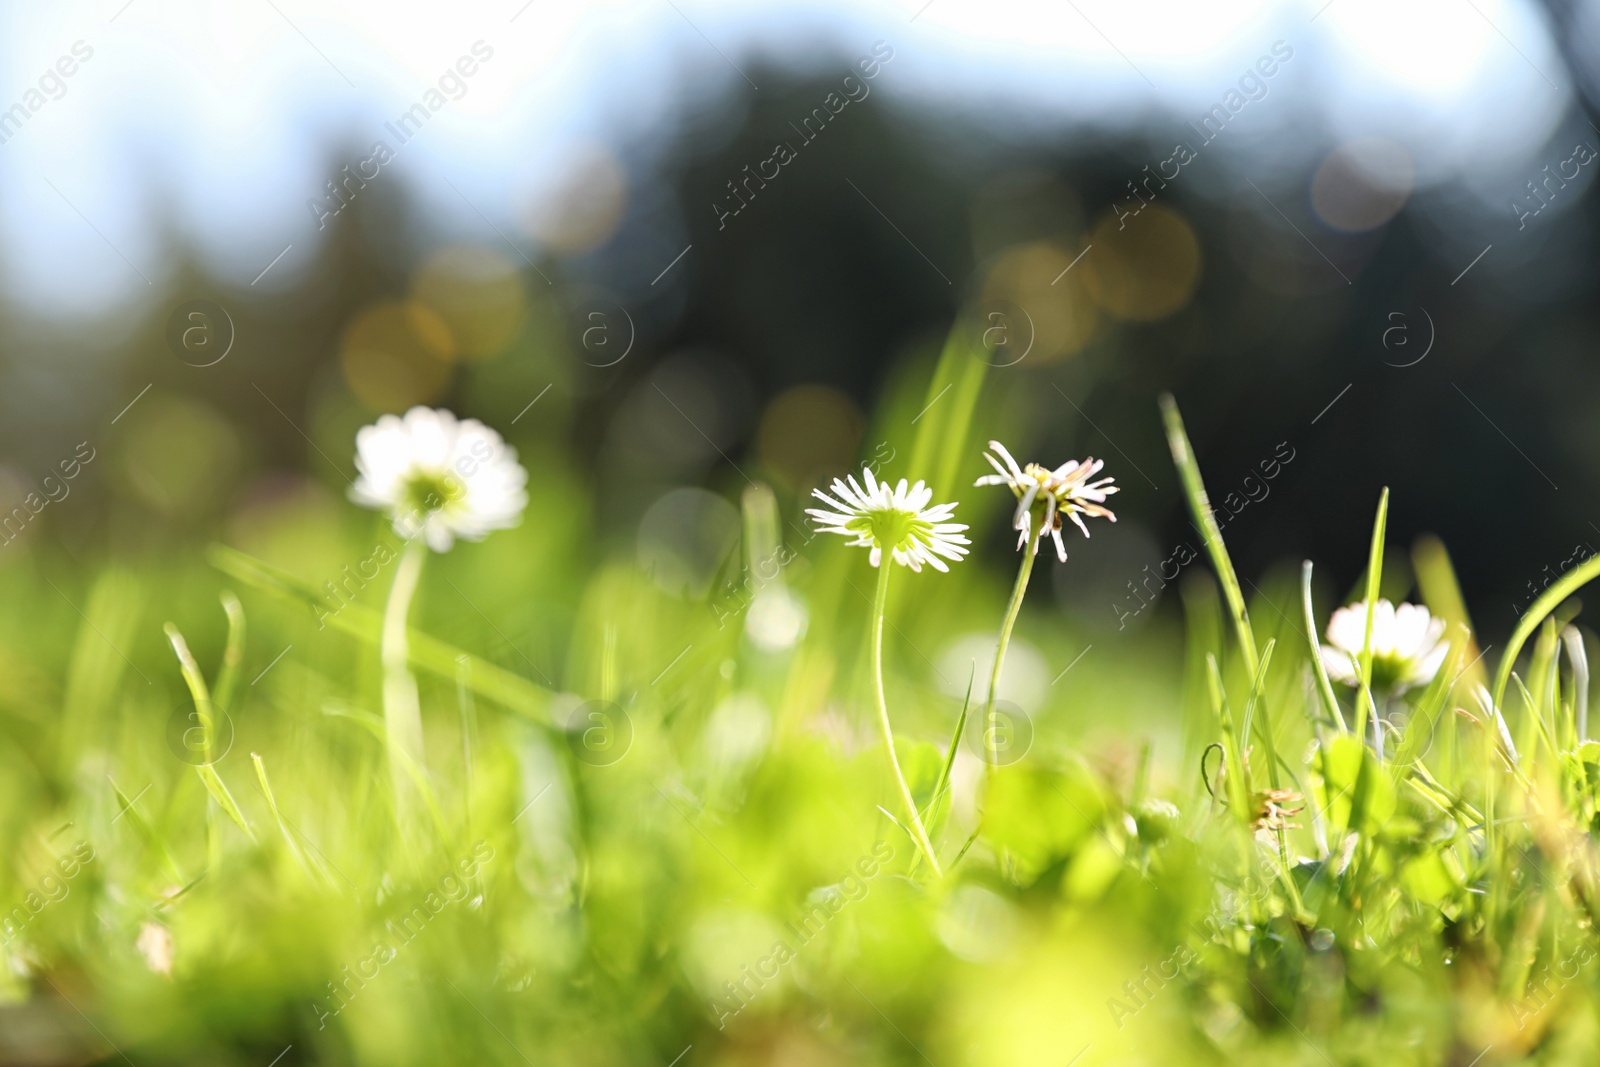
[438, 476]
[897, 519]
[1067, 490]
[1407, 645]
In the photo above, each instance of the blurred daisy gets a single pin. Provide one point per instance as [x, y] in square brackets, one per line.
[897, 519]
[1067, 490]
[1407, 645]
[438, 476]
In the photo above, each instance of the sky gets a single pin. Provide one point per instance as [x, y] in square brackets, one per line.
[218, 123]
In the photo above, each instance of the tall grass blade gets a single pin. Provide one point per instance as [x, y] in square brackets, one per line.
[945, 419]
[1572, 638]
[1425, 720]
[207, 711]
[950, 755]
[219, 792]
[1364, 701]
[1200, 507]
[469, 733]
[759, 509]
[97, 668]
[1202, 618]
[1237, 785]
[503, 687]
[419, 777]
[1324, 687]
[144, 831]
[232, 653]
[1548, 601]
[272, 806]
[1441, 592]
[1264, 726]
[963, 402]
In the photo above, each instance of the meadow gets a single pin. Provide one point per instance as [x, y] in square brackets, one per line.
[426, 773]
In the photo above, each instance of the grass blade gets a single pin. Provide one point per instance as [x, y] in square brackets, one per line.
[1202, 620]
[419, 777]
[1572, 638]
[1548, 601]
[1364, 701]
[272, 806]
[232, 653]
[1324, 686]
[950, 756]
[1238, 789]
[1429, 709]
[198, 691]
[144, 830]
[1441, 592]
[503, 687]
[1264, 726]
[219, 792]
[96, 669]
[1200, 507]
[945, 419]
[208, 730]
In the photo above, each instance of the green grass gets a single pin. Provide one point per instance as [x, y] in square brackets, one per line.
[643, 837]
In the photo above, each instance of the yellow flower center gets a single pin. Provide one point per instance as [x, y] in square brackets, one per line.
[890, 528]
[426, 493]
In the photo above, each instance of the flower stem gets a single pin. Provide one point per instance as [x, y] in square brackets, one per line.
[402, 711]
[991, 755]
[878, 606]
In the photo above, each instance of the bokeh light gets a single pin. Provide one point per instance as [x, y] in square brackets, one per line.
[1039, 295]
[479, 294]
[808, 431]
[396, 354]
[178, 455]
[586, 204]
[1363, 183]
[1145, 267]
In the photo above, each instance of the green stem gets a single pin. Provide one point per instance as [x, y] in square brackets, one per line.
[878, 606]
[402, 710]
[990, 755]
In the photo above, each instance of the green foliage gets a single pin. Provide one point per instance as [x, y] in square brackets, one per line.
[649, 829]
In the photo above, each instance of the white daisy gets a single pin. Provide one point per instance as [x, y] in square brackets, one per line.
[1407, 645]
[1066, 490]
[438, 476]
[898, 519]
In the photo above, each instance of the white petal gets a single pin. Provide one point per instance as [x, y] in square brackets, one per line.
[1341, 665]
[432, 436]
[1024, 504]
[1000, 472]
[1016, 471]
[1347, 627]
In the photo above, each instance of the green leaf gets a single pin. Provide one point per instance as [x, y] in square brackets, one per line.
[1039, 815]
[1353, 799]
[1427, 878]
